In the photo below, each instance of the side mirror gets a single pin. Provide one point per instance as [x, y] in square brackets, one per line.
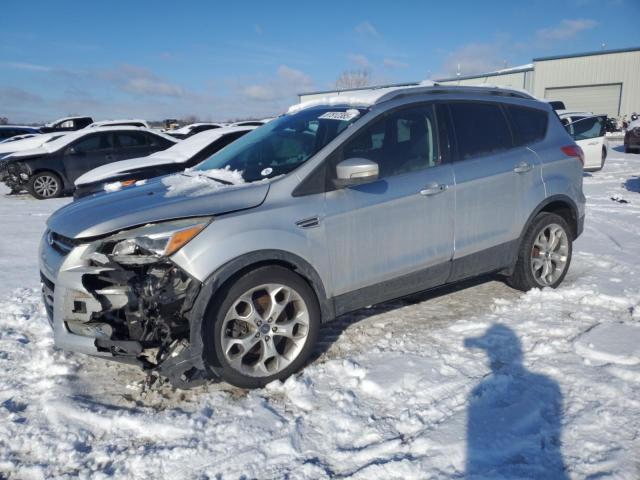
[73, 151]
[355, 171]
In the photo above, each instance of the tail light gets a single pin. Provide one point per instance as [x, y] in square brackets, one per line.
[574, 151]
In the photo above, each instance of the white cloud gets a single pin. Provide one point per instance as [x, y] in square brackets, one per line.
[286, 83]
[359, 60]
[140, 81]
[393, 63]
[474, 58]
[366, 29]
[27, 66]
[565, 30]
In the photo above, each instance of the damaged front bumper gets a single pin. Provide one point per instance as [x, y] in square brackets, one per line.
[14, 175]
[132, 313]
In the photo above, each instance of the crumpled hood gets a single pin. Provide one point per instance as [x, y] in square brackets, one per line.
[154, 201]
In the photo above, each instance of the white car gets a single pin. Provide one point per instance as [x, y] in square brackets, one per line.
[192, 129]
[588, 131]
[28, 143]
[133, 122]
[182, 155]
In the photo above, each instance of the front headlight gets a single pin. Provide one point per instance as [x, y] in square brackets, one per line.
[148, 243]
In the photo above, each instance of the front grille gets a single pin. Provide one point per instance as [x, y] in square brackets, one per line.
[61, 243]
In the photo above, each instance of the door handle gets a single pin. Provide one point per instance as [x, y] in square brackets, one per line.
[523, 167]
[108, 157]
[433, 189]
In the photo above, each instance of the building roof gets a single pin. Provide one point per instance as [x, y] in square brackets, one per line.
[587, 54]
[496, 73]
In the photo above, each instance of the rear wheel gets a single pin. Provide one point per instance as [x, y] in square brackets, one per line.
[45, 185]
[262, 328]
[604, 157]
[545, 254]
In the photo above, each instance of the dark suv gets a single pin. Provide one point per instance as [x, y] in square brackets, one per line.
[50, 170]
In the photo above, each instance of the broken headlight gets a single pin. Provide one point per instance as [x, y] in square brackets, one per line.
[149, 243]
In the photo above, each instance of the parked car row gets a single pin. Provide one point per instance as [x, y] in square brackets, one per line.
[49, 169]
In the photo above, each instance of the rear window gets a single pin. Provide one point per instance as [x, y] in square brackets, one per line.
[133, 139]
[529, 125]
[480, 129]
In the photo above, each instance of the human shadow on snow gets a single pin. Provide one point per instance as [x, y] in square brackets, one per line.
[633, 184]
[514, 416]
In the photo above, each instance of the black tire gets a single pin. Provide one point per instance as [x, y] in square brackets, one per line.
[604, 157]
[522, 277]
[35, 185]
[213, 322]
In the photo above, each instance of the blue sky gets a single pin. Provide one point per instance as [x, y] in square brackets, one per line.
[223, 60]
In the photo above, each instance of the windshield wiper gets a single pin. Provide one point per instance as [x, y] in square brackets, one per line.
[190, 173]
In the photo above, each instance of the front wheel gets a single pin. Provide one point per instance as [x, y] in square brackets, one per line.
[262, 328]
[545, 254]
[45, 185]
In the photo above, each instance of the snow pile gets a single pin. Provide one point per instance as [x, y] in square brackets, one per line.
[475, 381]
[195, 183]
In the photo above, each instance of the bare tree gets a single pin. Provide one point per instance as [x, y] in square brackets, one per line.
[4, 120]
[191, 119]
[354, 79]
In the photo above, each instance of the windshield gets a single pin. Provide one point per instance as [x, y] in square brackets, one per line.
[283, 144]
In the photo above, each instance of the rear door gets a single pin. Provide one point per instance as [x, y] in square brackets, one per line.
[131, 144]
[589, 134]
[89, 152]
[491, 174]
[394, 234]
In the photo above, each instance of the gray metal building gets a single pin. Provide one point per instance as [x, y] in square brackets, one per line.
[606, 81]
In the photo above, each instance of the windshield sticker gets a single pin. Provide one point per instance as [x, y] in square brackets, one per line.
[266, 171]
[340, 116]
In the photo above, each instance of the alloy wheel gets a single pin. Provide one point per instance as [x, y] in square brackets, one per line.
[549, 254]
[265, 330]
[46, 186]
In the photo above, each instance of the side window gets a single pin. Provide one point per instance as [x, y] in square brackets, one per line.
[131, 139]
[157, 141]
[92, 143]
[586, 128]
[480, 129]
[400, 142]
[528, 124]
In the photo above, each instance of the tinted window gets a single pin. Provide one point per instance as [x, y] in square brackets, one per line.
[399, 142]
[157, 141]
[480, 129]
[528, 125]
[133, 139]
[585, 128]
[92, 143]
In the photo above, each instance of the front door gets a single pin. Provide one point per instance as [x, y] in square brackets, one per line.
[89, 152]
[395, 235]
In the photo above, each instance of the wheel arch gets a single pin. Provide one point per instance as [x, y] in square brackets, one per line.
[561, 205]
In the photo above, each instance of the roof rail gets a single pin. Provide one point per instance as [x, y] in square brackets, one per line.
[437, 88]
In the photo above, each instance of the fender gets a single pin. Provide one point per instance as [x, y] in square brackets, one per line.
[577, 224]
[188, 369]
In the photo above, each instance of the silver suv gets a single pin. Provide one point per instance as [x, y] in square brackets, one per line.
[229, 269]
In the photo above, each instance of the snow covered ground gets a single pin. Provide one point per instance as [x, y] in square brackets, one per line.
[477, 381]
